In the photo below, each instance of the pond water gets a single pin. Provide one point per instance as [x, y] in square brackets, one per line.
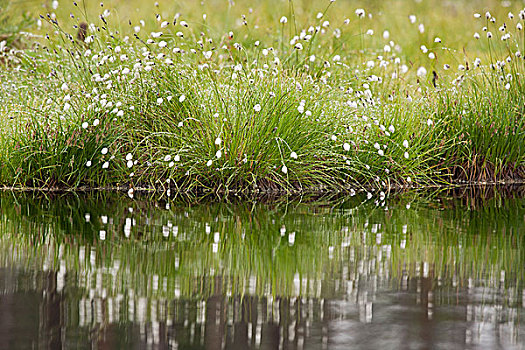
[407, 271]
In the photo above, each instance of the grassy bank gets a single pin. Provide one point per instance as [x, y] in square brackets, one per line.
[278, 96]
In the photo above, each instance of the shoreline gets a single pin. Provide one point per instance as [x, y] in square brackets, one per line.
[202, 192]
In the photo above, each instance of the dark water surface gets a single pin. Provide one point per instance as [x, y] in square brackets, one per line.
[410, 271]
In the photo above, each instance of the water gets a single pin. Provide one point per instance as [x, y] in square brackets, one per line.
[411, 271]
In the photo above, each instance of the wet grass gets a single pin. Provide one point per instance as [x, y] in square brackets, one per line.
[285, 96]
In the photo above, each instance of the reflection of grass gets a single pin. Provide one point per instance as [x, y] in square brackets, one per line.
[354, 238]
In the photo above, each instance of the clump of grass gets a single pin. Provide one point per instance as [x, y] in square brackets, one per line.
[301, 101]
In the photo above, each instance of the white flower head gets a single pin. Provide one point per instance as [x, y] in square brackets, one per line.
[421, 72]
[360, 13]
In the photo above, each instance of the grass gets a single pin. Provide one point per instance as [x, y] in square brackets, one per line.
[283, 96]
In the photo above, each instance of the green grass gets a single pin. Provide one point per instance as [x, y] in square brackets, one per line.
[310, 104]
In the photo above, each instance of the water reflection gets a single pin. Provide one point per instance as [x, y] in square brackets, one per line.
[409, 271]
